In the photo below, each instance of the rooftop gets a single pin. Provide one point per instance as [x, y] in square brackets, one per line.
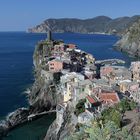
[111, 97]
[91, 99]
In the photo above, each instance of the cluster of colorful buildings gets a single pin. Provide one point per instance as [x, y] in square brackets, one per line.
[79, 80]
[124, 80]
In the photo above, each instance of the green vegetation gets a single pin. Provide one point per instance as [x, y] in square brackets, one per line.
[108, 126]
[80, 107]
[97, 24]
[45, 42]
[97, 130]
[113, 115]
[134, 31]
[116, 113]
[126, 105]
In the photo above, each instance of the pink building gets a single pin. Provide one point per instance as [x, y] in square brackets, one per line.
[71, 46]
[134, 87]
[55, 65]
[105, 71]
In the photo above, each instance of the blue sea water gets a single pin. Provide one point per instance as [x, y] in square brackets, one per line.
[16, 50]
[16, 65]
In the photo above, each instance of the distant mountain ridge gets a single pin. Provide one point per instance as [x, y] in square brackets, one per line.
[100, 24]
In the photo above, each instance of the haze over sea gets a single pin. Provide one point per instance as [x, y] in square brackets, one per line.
[16, 66]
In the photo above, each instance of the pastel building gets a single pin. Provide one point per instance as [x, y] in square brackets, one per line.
[71, 46]
[55, 65]
[129, 86]
[135, 69]
[68, 82]
[90, 59]
[114, 74]
[105, 71]
[75, 86]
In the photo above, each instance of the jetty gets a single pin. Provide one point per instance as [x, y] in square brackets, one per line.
[33, 116]
[109, 62]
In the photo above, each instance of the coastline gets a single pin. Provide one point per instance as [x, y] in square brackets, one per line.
[31, 129]
[89, 33]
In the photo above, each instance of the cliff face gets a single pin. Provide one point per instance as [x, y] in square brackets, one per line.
[130, 42]
[42, 96]
[100, 24]
[60, 129]
[43, 93]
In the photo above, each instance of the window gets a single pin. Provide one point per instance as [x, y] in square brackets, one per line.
[52, 64]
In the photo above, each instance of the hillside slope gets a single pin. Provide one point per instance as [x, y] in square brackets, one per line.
[130, 42]
[101, 24]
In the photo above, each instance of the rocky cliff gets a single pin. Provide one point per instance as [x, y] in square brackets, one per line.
[100, 24]
[130, 41]
[42, 97]
[59, 130]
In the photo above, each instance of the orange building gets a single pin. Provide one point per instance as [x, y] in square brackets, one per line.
[109, 97]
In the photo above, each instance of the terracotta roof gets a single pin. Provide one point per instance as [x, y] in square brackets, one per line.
[72, 46]
[106, 70]
[112, 97]
[91, 100]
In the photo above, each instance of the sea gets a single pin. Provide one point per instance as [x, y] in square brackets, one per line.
[16, 72]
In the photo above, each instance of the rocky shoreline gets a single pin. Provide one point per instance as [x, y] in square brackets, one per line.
[40, 99]
[124, 47]
[129, 42]
[13, 120]
[47, 94]
[37, 104]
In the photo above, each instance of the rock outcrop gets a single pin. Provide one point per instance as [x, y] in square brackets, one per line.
[13, 119]
[64, 125]
[42, 97]
[130, 41]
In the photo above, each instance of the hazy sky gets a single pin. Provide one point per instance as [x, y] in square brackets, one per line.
[18, 15]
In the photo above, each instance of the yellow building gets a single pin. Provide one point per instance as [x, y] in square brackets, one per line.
[90, 59]
[68, 92]
[123, 87]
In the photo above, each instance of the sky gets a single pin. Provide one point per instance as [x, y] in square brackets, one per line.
[19, 15]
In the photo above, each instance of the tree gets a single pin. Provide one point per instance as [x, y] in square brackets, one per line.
[126, 105]
[97, 130]
[80, 107]
[113, 115]
[133, 105]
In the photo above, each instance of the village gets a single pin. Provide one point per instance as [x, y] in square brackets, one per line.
[81, 82]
